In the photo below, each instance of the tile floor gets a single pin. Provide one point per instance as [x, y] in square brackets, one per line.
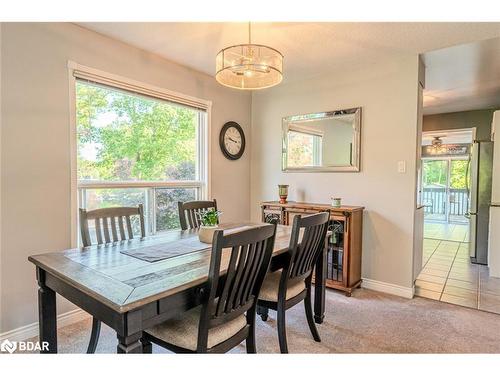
[449, 276]
[450, 232]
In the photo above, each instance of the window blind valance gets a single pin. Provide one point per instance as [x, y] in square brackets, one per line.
[305, 130]
[141, 89]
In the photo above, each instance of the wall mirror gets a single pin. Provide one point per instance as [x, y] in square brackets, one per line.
[322, 142]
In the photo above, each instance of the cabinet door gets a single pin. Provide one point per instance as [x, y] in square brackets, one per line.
[269, 214]
[336, 259]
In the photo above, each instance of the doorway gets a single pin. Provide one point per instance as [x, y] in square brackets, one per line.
[447, 194]
[446, 198]
[447, 186]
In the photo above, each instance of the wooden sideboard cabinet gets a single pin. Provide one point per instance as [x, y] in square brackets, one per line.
[343, 258]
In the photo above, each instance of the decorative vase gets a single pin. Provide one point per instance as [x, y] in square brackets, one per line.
[206, 233]
[283, 193]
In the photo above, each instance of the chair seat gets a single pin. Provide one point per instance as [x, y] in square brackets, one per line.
[182, 331]
[270, 287]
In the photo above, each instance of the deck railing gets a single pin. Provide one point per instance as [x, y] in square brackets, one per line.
[434, 200]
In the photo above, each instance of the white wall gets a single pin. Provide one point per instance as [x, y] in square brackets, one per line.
[388, 95]
[35, 148]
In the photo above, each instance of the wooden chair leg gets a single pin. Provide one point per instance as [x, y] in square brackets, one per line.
[147, 347]
[309, 315]
[94, 336]
[282, 329]
[250, 340]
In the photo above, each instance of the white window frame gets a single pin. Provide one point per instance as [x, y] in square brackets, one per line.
[317, 144]
[203, 183]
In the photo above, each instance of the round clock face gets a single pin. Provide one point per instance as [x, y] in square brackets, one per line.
[232, 140]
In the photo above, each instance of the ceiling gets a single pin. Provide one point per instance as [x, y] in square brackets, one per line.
[317, 48]
[463, 77]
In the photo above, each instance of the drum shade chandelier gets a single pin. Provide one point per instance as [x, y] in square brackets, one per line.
[249, 66]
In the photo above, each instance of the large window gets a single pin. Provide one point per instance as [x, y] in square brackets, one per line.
[138, 149]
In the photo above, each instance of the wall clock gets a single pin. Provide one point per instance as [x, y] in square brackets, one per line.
[232, 140]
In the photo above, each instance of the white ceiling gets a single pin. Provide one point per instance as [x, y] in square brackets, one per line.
[463, 77]
[309, 48]
[312, 49]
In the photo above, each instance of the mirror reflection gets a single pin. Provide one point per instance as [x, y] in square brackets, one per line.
[326, 141]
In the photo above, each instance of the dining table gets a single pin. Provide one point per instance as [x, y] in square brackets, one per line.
[129, 292]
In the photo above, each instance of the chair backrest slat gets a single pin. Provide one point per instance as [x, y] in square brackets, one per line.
[237, 284]
[122, 228]
[106, 220]
[129, 227]
[106, 230]
[234, 290]
[229, 280]
[244, 288]
[98, 230]
[188, 212]
[303, 254]
[113, 229]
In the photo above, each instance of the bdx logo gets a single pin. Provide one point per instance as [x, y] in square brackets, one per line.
[23, 346]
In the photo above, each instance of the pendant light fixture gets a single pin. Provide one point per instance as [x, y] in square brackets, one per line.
[249, 66]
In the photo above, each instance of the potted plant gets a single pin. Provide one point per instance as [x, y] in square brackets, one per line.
[209, 224]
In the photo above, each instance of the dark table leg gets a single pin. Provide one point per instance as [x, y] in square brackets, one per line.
[129, 344]
[319, 286]
[47, 315]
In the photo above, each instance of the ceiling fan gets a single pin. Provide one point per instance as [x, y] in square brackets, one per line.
[437, 142]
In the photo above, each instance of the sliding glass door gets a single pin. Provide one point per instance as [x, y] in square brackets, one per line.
[445, 194]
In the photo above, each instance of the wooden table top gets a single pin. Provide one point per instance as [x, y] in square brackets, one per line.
[123, 282]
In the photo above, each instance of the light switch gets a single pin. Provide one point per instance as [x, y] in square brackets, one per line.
[401, 166]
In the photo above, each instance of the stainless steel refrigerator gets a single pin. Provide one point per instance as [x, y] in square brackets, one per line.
[480, 178]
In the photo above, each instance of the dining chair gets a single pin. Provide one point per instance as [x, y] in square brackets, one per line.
[238, 265]
[106, 221]
[284, 288]
[188, 212]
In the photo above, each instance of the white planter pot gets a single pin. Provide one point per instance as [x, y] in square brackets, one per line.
[206, 234]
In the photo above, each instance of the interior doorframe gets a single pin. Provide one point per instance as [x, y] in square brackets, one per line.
[472, 129]
[418, 235]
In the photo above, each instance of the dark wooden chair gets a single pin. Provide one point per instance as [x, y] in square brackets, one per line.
[106, 221]
[188, 212]
[227, 314]
[286, 287]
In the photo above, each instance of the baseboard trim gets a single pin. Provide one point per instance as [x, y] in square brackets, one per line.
[394, 289]
[31, 330]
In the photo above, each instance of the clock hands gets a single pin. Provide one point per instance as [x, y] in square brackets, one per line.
[231, 139]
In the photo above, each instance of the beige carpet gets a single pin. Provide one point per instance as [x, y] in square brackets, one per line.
[368, 322]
